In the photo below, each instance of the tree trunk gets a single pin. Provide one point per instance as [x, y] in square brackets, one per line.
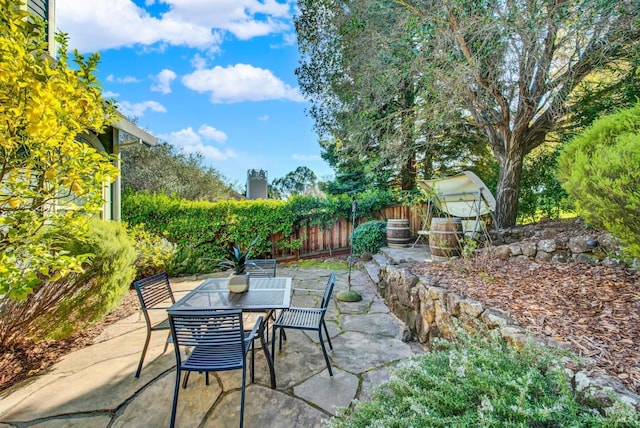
[408, 173]
[508, 188]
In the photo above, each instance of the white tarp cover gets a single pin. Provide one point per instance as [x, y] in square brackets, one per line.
[463, 195]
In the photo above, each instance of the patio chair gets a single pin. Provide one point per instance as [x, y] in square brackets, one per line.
[154, 293]
[261, 268]
[310, 319]
[218, 342]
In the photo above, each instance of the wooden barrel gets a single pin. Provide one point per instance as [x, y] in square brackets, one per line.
[398, 232]
[445, 237]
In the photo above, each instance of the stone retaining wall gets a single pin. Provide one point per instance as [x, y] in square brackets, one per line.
[428, 309]
[542, 242]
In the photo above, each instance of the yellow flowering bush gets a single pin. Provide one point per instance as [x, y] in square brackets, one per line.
[50, 182]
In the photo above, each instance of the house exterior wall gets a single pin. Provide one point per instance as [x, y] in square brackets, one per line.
[45, 9]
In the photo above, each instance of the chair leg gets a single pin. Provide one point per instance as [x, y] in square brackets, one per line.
[327, 333]
[253, 361]
[166, 344]
[273, 344]
[324, 351]
[206, 378]
[280, 339]
[186, 379]
[144, 352]
[174, 406]
[244, 381]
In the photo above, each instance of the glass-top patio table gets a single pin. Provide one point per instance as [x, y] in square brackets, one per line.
[264, 295]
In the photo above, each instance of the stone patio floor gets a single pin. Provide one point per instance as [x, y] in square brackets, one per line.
[95, 386]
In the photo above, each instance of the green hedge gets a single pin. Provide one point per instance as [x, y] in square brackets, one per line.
[202, 230]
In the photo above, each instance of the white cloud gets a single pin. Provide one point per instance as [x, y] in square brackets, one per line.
[125, 79]
[241, 82]
[264, 118]
[198, 62]
[305, 158]
[100, 25]
[211, 133]
[130, 109]
[110, 94]
[191, 142]
[163, 81]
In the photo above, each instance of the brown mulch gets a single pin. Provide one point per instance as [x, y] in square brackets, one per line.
[594, 309]
[28, 359]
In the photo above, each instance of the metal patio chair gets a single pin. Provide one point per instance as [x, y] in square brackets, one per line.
[261, 268]
[311, 319]
[154, 293]
[218, 342]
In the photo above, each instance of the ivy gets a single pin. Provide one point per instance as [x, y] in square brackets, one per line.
[202, 230]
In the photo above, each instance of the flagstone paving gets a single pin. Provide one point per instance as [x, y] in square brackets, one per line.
[95, 386]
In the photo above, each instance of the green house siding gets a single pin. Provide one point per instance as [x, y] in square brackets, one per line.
[39, 8]
[45, 9]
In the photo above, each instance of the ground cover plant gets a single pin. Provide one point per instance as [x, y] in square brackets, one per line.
[480, 381]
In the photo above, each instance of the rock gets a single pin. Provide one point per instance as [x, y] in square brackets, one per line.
[547, 245]
[561, 257]
[543, 256]
[528, 249]
[366, 256]
[579, 244]
[515, 249]
[585, 258]
[502, 252]
[601, 390]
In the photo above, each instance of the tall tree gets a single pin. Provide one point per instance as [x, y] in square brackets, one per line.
[513, 65]
[302, 181]
[163, 169]
[503, 67]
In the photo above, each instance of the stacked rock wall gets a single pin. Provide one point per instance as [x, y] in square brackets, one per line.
[559, 244]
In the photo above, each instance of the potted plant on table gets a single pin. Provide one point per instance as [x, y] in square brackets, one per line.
[237, 261]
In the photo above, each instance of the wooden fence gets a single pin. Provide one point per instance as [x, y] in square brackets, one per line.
[332, 240]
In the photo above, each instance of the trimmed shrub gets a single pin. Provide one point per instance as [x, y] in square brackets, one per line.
[369, 237]
[65, 305]
[599, 169]
[154, 252]
[480, 382]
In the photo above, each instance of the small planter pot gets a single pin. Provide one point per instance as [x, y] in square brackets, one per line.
[238, 283]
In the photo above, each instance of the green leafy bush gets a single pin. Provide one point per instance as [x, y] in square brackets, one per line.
[154, 252]
[599, 169]
[369, 237]
[479, 382]
[61, 306]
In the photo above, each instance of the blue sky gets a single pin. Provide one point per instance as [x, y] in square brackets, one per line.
[212, 76]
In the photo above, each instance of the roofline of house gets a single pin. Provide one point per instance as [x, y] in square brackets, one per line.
[124, 124]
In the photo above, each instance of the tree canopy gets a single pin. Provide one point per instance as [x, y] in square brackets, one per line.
[51, 181]
[302, 181]
[393, 79]
[162, 169]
